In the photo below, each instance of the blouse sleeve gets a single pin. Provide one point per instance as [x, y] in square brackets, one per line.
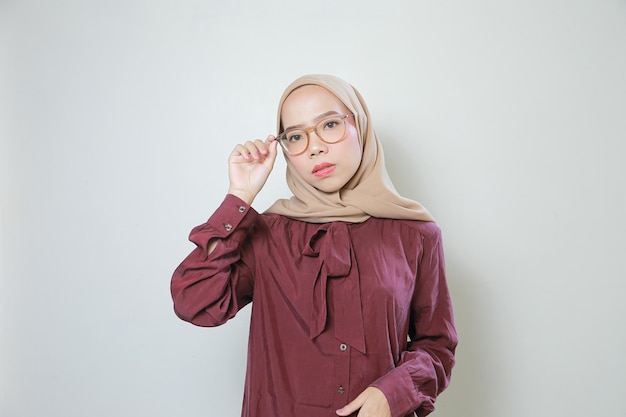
[209, 289]
[424, 369]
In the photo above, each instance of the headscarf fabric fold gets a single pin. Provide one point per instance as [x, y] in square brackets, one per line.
[369, 193]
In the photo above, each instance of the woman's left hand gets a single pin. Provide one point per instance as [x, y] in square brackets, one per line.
[371, 402]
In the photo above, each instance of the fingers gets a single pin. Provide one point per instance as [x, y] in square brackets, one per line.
[256, 150]
[352, 406]
[272, 143]
[370, 403]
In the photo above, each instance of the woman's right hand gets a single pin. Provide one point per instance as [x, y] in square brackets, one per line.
[249, 166]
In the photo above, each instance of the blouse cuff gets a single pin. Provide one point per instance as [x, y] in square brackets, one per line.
[231, 216]
[399, 389]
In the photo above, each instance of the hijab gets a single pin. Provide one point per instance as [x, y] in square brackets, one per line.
[369, 193]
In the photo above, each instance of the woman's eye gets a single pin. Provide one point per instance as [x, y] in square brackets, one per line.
[331, 124]
[294, 138]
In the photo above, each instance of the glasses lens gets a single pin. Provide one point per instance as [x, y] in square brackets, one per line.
[294, 141]
[332, 130]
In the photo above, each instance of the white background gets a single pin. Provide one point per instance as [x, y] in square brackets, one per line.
[506, 119]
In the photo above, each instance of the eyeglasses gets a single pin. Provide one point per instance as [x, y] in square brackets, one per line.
[331, 129]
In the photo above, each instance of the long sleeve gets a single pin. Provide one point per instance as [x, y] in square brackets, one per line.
[424, 368]
[209, 289]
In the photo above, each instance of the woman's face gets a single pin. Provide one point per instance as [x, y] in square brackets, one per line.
[325, 166]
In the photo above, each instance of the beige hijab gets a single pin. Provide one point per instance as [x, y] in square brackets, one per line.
[369, 193]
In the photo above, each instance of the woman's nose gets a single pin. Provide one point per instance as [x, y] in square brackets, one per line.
[316, 145]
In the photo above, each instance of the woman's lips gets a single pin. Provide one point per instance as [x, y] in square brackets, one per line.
[323, 170]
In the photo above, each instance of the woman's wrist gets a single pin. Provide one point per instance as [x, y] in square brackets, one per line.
[247, 197]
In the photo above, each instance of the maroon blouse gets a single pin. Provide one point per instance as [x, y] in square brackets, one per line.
[337, 307]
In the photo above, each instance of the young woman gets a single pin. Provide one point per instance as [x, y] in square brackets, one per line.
[351, 313]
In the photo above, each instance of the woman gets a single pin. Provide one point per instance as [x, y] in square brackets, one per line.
[351, 312]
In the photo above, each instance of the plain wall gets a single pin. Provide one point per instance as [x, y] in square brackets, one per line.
[506, 119]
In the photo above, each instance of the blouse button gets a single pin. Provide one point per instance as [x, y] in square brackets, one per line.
[343, 347]
[228, 227]
[242, 209]
[341, 391]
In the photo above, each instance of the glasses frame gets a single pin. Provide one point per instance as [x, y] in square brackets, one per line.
[310, 129]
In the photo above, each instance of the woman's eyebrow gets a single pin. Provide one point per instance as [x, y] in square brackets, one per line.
[317, 119]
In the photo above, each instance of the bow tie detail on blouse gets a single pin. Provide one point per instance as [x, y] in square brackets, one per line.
[332, 246]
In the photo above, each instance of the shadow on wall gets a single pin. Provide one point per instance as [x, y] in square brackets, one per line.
[473, 382]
